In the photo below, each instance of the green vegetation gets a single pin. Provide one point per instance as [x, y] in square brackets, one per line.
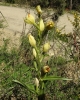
[31, 72]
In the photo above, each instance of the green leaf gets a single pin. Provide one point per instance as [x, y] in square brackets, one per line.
[18, 82]
[35, 65]
[54, 78]
[30, 87]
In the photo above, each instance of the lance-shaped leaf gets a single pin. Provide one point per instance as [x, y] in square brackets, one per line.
[30, 87]
[53, 78]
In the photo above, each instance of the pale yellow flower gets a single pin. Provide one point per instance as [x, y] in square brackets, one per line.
[46, 69]
[32, 40]
[36, 82]
[41, 25]
[29, 19]
[34, 52]
[38, 8]
[49, 25]
[46, 47]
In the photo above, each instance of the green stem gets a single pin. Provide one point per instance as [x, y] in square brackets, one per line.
[38, 62]
[36, 26]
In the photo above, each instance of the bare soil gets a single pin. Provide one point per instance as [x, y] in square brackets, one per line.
[15, 21]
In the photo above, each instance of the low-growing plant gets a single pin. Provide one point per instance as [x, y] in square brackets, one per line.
[75, 37]
[39, 50]
[37, 69]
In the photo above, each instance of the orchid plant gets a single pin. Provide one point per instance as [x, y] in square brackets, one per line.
[40, 51]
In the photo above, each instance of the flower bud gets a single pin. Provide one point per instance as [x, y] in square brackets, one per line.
[36, 82]
[41, 25]
[46, 47]
[46, 69]
[32, 40]
[34, 52]
[38, 8]
[49, 25]
[29, 19]
[57, 30]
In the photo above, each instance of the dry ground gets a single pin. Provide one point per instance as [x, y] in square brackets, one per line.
[15, 19]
